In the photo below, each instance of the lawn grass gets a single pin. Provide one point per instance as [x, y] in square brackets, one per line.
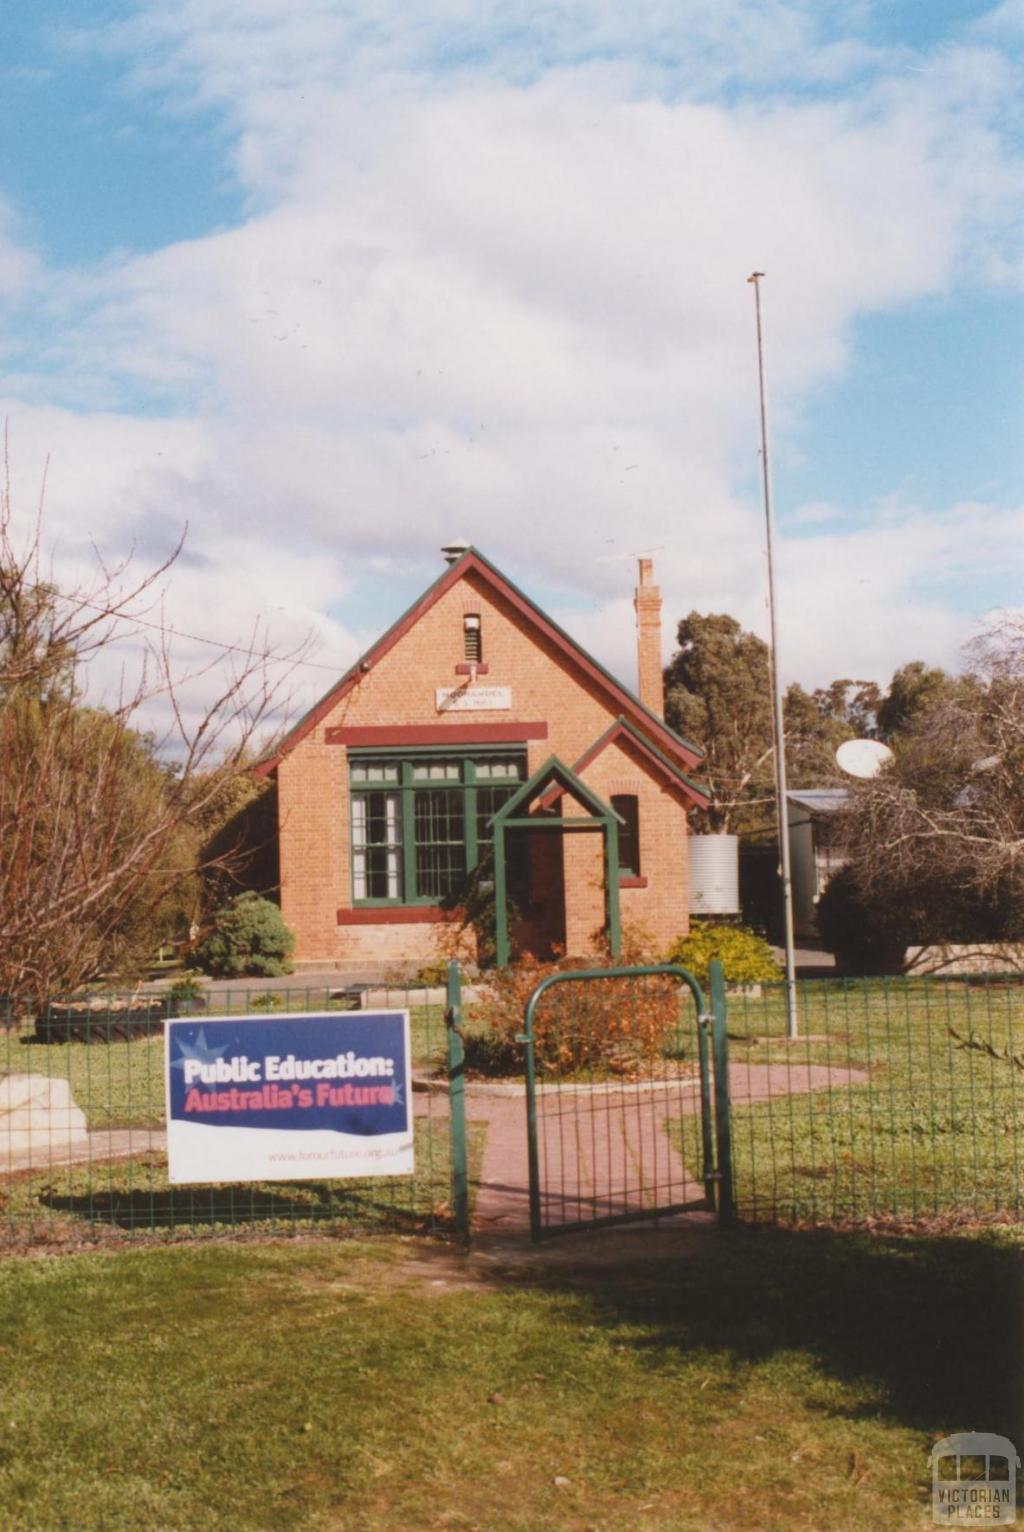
[69, 1204]
[117, 1084]
[927, 1126]
[745, 1380]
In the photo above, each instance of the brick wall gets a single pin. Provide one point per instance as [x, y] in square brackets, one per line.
[659, 910]
[399, 690]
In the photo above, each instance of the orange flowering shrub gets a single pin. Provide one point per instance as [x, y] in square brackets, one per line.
[603, 1026]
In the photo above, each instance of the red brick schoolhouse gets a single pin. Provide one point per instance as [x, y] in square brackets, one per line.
[476, 734]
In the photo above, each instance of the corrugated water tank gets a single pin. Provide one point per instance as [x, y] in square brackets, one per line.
[714, 874]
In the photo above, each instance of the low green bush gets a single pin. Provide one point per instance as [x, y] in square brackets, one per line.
[249, 936]
[493, 1054]
[433, 975]
[187, 987]
[745, 956]
[267, 1002]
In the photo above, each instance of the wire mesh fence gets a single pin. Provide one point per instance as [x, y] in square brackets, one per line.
[901, 1099]
[83, 1124]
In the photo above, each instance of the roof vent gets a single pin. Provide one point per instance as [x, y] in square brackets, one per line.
[454, 551]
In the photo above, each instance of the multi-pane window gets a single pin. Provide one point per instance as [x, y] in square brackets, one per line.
[488, 801]
[420, 823]
[376, 845]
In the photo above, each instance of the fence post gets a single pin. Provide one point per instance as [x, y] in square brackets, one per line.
[457, 1101]
[707, 1115]
[723, 1105]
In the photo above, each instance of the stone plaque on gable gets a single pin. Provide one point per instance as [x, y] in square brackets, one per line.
[471, 699]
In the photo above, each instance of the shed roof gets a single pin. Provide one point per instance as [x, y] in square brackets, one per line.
[819, 800]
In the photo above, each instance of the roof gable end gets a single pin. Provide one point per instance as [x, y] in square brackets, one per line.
[692, 792]
[472, 561]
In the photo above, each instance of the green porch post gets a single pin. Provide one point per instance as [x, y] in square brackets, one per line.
[611, 874]
[502, 949]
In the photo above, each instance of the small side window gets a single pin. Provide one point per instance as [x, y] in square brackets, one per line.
[472, 638]
[627, 806]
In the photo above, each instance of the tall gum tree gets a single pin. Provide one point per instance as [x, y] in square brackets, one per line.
[718, 692]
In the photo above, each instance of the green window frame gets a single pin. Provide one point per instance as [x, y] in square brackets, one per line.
[420, 820]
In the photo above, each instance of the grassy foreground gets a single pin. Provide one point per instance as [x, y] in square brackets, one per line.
[70, 1203]
[743, 1379]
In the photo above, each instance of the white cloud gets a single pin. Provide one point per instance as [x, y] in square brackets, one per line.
[241, 51]
[18, 265]
[498, 289]
[859, 603]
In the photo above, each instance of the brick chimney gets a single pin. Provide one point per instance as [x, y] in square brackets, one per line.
[647, 601]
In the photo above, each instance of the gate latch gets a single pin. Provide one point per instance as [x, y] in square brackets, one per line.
[452, 1024]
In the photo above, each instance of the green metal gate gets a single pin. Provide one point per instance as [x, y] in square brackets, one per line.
[626, 1119]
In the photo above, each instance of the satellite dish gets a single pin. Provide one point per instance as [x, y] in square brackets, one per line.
[863, 757]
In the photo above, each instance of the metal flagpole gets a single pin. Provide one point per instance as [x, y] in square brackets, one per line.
[792, 1029]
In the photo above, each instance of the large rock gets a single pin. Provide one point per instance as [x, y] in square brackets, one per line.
[39, 1119]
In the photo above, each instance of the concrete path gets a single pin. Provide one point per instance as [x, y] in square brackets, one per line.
[609, 1152]
[101, 1146]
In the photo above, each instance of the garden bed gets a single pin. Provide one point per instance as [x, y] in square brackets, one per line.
[92, 1021]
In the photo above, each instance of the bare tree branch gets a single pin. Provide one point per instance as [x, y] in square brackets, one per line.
[100, 821]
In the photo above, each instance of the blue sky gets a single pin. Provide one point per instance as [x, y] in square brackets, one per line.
[334, 283]
[90, 168]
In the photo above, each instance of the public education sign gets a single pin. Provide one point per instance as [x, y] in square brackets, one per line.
[288, 1098]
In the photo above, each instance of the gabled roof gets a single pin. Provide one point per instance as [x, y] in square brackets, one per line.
[668, 770]
[474, 562]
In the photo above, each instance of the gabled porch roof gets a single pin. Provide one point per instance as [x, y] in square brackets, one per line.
[542, 784]
[514, 815]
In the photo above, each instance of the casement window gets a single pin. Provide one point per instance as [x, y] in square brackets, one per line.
[627, 806]
[420, 821]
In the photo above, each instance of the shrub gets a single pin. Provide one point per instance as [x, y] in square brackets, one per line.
[187, 986]
[268, 1001]
[494, 1054]
[866, 939]
[870, 932]
[185, 996]
[613, 1026]
[249, 936]
[433, 975]
[745, 956]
